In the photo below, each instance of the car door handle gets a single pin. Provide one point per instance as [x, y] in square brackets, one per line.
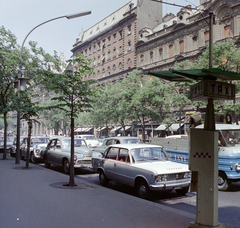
[115, 164]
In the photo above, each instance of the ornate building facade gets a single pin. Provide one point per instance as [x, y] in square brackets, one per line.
[111, 43]
[186, 35]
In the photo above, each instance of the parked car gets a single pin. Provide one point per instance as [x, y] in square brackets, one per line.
[58, 152]
[101, 139]
[117, 140]
[8, 147]
[34, 154]
[143, 166]
[90, 140]
[14, 145]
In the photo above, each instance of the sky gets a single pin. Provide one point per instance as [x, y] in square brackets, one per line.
[21, 16]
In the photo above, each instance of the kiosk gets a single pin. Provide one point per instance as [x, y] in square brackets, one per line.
[203, 157]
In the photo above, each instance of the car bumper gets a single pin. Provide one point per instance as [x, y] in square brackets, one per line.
[171, 185]
[83, 164]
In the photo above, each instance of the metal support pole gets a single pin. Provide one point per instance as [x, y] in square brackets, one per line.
[210, 39]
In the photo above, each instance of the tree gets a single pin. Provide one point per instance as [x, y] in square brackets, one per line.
[29, 111]
[53, 118]
[8, 74]
[35, 63]
[225, 56]
[74, 95]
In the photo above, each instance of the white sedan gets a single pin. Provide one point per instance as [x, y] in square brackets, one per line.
[90, 140]
[143, 166]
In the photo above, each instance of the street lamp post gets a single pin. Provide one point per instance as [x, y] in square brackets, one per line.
[23, 81]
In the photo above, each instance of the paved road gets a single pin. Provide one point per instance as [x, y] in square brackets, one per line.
[229, 201]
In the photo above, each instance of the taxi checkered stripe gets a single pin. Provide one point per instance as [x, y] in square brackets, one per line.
[201, 155]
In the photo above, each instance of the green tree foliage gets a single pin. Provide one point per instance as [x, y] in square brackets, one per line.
[74, 95]
[225, 56]
[53, 117]
[29, 111]
[130, 99]
[35, 64]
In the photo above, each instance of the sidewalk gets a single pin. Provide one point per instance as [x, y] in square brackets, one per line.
[32, 198]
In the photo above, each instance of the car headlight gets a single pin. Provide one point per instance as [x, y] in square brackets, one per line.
[238, 167]
[75, 157]
[160, 178]
[187, 175]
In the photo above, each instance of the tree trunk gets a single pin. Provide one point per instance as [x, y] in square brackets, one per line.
[71, 174]
[28, 143]
[5, 136]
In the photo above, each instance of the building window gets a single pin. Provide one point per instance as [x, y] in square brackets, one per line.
[114, 69]
[85, 52]
[109, 54]
[94, 48]
[109, 40]
[129, 45]
[99, 46]
[151, 57]
[160, 54]
[170, 51]
[90, 51]
[129, 63]
[120, 35]
[206, 37]
[109, 71]
[114, 52]
[94, 61]
[120, 67]
[120, 50]
[227, 31]
[103, 72]
[103, 47]
[114, 37]
[129, 29]
[142, 60]
[181, 47]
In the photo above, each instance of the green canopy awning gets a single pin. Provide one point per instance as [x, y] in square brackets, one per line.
[195, 74]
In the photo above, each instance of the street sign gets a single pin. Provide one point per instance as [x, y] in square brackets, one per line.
[212, 89]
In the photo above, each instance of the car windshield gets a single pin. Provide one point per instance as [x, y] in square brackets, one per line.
[77, 143]
[89, 137]
[40, 140]
[131, 141]
[229, 138]
[148, 154]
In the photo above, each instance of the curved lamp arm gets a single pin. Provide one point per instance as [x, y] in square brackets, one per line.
[70, 16]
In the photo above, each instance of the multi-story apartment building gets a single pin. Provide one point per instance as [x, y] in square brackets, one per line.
[111, 42]
[186, 35]
[137, 36]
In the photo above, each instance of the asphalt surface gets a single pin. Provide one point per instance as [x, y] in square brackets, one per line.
[36, 197]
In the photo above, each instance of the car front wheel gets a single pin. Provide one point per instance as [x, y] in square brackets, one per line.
[223, 183]
[103, 179]
[66, 166]
[46, 164]
[143, 190]
[33, 159]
